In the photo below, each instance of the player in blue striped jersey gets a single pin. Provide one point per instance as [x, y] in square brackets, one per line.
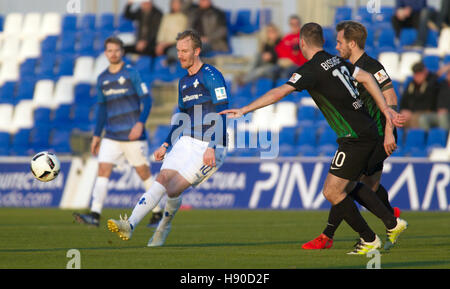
[200, 150]
[124, 104]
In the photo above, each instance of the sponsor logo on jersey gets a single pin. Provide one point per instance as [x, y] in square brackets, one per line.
[191, 97]
[196, 83]
[115, 91]
[295, 77]
[221, 93]
[381, 76]
[121, 80]
[144, 88]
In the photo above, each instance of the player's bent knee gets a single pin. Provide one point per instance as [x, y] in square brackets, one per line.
[104, 170]
[143, 172]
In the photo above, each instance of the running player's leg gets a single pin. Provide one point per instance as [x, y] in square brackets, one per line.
[373, 182]
[144, 173]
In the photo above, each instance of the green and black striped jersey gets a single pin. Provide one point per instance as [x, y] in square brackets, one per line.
[372, 65]
[330, 82]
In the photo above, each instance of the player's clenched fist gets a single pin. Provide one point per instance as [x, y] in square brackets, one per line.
[160, 153]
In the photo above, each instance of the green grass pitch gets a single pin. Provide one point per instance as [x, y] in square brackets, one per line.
[216, 239]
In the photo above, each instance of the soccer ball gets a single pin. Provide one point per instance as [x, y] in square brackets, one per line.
[45, 166]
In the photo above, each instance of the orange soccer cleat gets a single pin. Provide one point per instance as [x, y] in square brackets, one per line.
[321, 242]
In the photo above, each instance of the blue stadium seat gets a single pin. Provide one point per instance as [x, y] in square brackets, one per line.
[40, 139]
[432, 38]
[125, 25]
[288, 150]
[46, 67]
[65, 66]
[415, 143]
[370, 40]
[363, 15]
[107, 22]
[446, 59]
[62, 117]
[288, 135]
[144, 64]
[263, 17]
[25, 89]
[385, 15]
[306, 115]
[408, 37]
[327, 142]
[82, 94]
[28, 67]
[7, 92]
[228, 19]
[342, 13]
[307, 143]
[60, 141]
[82, 117]
[437, 138]
[49, 44]
[243, 22]
[2, 20]
[86, 44]
[69, 23]
[263, 85]
[41, 116]
[21, 143]
[5, 143]
[88, 22]
[432, 62]
[67, 42]
[160, 134]
[329, 36]
[386, 39]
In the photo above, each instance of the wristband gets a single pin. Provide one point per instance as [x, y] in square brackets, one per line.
[165, 146]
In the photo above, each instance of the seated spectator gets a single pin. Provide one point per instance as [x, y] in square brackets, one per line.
[171, 24]
[440, 117]
[420, 95]
[149, 18]
[288, 49]
[210, 22]
[266, 61]
[412, 14]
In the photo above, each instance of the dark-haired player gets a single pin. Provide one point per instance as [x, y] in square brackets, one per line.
[329, 80]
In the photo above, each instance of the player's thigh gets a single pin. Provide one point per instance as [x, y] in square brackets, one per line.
[136, 152]
[174, 183]
[143, 172]
[105, 169]
[334, 188]
[110, 151]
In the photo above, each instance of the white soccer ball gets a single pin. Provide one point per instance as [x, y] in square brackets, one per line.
[45, 166]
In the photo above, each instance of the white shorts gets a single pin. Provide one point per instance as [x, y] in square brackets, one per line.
[136, 152]
[186, 157]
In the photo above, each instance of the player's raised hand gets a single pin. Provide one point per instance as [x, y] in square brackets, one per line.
[95, 145]
[136, 131]
[160, 153]
[233, 113]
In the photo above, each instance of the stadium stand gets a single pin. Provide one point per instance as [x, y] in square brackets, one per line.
[49, 63]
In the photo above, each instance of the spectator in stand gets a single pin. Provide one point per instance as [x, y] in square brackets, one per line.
[440, 117]
[420, 95]
[210, 22]
[266, 61]
[171, 24]
[288, 49]
[413, 14]
[149, 18]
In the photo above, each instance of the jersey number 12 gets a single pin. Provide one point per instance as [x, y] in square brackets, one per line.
[345, 77]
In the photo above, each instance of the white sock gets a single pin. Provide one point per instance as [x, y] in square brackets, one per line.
[147, 202]
[147, 184]
[172, 206]
[99, 194]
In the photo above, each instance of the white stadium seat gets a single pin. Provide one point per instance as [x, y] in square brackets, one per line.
[263, 118]
[31, 25]
[23, 116]
[6, 115]
[84, 70]
[390, 61]
[286, 114]
[43, 94]
[64, 91]
[51, 25]
[31, 48]
[13, 25]
[444, 41]
[101, 63]
[10, 48]
[407, 60]
[9, 71]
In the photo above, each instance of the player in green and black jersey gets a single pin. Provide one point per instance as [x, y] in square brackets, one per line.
[351, 38]
[330, 80]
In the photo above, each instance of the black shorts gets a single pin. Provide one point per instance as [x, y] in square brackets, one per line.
[356, 156]
[374, 168]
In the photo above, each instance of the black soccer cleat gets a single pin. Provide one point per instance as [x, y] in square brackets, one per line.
[92, 219]
[154, 220]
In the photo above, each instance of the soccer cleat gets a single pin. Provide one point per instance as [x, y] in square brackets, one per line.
[159, 237]
[392, 235]
[122, 227]
[397, 212]
[88, 219]
[321, 242]
[362, 247]
[154, 221]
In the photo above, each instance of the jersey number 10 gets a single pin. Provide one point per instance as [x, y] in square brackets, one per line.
[345, 77]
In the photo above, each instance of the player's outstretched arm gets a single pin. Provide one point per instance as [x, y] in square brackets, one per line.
[270, 97]
[391, 100]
